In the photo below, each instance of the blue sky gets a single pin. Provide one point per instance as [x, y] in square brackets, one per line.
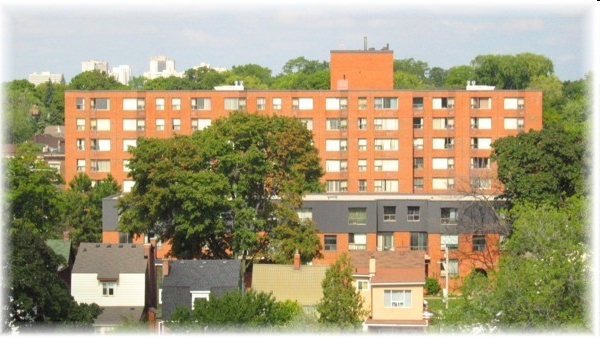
[59, 35]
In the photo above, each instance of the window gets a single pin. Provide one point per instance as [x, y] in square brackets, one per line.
[481, 183]
[80, 144]
[126, 166]
[514, 103]
[80, 103]
[362, 144]
[261, 103]
[362, 123]
[481, 103]
[385, 124]
[451, 269]
[277, 103]
[134, 124]
[481, 143]
[449, 216]
[176, 103]
[199, 124]
[513, 123]
[413, 214]
[160, 103]
[336, 186]
[176, 124]
[100, 165]
[386, 103]
[386, 144]
[80, 124]
[108, 288]
[336, 124]
[386, 185]
[100, 103]
[100, 144]
[417, 123]
[443, 143]
[443, 163]
[199, 296]
[480, 163]
[450, 241]
[362, 185]
[418, 163]
[201, 103]
[385, 241]
[443, 103]
[234, 103]
[100, 124]
[336, 145]
[330, 243]
[160, 124]
[335, 103]
[397, 298]
[362, 103]
[418, 143]
[80, 165]
[478, 242]
[418, 240]
[357, 241]
[357, 216]
[134, 104]
[443, 183]
[128, 185]
[389, 214]
[362, 285]
[129, 143]
[308, 123]
[302, 103]
[305, 214]
[417, 103]
[336, 165]
[385, 165]
[481, 123]
[443, 123]
[362, 165]
[418, 183]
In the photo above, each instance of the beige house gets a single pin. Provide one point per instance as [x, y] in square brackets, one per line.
[391, 283]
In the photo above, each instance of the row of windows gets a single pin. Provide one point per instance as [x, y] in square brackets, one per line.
[390, 185]
[437, 163]
[140, 124]
[438, 143]
[103, 144]
[298, 103]
[358, 216]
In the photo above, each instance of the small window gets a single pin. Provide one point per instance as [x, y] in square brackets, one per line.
[261, 103]
[418, 183]
[362, 103]
[479, 243]
[362, 185]
[176, 124]
[277, 103]
[386, 103]
[397, 298]
[362, 123]
[418, 240]
[389, 214]
[449, 216]
[330, 243]
[362, 285]
[362, 144]
[176, 103]
[80, 103]
[108, 289]
[308, 123]
[413, 214]
[160, 103]
[418, 163]
[450, 242]
[201, 103]
[80, 124]
[418, 103]
[417, 123]
[357, 216]
[160, 124]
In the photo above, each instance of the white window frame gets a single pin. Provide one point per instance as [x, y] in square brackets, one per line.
[397, 299]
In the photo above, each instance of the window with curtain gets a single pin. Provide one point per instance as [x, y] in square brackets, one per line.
[397, 298]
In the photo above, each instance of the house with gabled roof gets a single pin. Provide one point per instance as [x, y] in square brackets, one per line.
[64, 248]
[120, 278]
[391, 284]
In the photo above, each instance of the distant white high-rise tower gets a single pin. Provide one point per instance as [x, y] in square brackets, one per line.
[122, 73]
[94, 65]
[161, 66]
[43, 77]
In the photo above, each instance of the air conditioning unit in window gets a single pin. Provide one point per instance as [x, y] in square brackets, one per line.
[450, 106]
[521, 106]
[397, 304]
[520, 126]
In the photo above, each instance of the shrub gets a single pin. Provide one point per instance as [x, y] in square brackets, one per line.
[432, 286]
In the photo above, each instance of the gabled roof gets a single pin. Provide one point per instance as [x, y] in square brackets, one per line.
[117, 315]
[302, 285]
[391, 266]
[110, 260]
[60, 247]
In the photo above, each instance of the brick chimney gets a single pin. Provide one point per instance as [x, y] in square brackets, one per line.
[296, 261]
[165, 268]
[372, 265]
[66, 236]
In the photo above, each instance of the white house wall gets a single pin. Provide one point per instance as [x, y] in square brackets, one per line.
[130, 290]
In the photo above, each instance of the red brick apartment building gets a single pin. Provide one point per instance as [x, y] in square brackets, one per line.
[372, 139]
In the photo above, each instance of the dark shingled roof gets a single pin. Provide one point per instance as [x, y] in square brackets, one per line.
[109, 260]
[117, 315]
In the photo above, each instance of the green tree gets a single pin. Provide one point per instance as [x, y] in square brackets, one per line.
[137, 82]
[95, 80]
[510, 71]
[20, 105]
[404, 80]
[253, 75]
[52, 104]
[300, 73]
[419, 69]
[551, 88]
[205, 78]
[168, 83]
[437, 77]
[342, 304]
[458, 76]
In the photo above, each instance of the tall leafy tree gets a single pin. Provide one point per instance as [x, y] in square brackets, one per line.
[205, 78]
[20, 105]
[458, 76]
[52, 104]
[419, 69]
[511, 71]
[342, 304]
[95, 80]
[168, 83]
[300, 73]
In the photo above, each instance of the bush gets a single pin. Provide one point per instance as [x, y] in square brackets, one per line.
[432, 286]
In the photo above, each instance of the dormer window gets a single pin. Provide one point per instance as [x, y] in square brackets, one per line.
[108, 289]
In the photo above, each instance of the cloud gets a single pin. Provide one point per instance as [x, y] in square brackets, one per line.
[522, 25]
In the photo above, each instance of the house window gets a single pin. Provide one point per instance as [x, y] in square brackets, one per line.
[443, 163]
[417, 103]
[386, 165]
[362, 103]
[481, 123]
[160, 103]
[480, 163]
[443, 143]
[451, 269]
[160, 124]
[336, 186]
[100, 144]
[362, 185]
[362, 165]
[80, 144]
[385, 124]
[397, 298]
[418, 240]
[305, 214]
[129, 143]
[261, 103]
[134, 124]
[386, 185]
[386, 103]
[514, 103]
[102, 166]
[100, 103]
[418, 183]
[176, 124]
[417, 123]
[234, 103]
[385, 241]
[126, 166]
[277, 103]
[413, 214]
[418, 143]
[443, 123]
[336, 124]
[481, 183]
[336, 165]
[357, 216]
[442, 183]
[514, 123]
[199, 296]
[481, 103]
[389, 214]
[443, 103]
[335, 103]
[134, 104]
[80, 124]
[302, 103]
[386, 144]
[362, 123]
[80, 165]
[128, 185]
[108, 288]
[449, 216]
[362, 285]
[418, 163]
[176, 103]
[357, 241]
[100, 124]
[336, 145]
[478, 242]
[80, 103]
[481, 143]
[362, 144]
[201, 103]
[308, 123]
[199, 124]
[330, 243]
[450, 242]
